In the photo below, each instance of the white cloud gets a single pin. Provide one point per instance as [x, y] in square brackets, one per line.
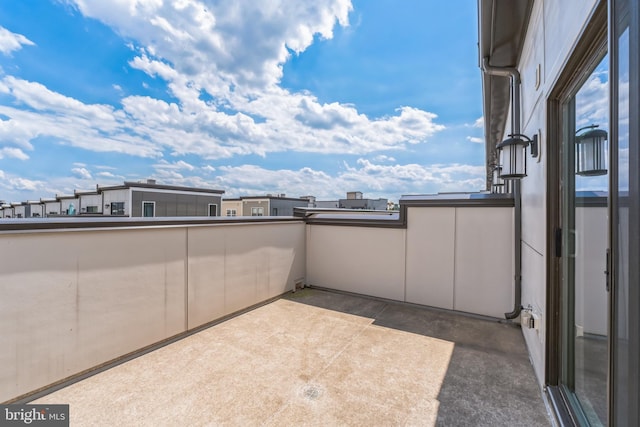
[233, 51]
[169, 175]
[148, 127]
[414, 178]
[93, 127]
[592, 101]
[375, 180]
[245, 41]
[180, 164]
[10, 42]
[382, 158]
[475, 140]
[12, 152]
[81, 173]
[24, 184]
[479, 123]
[106, 175]
[18, 188]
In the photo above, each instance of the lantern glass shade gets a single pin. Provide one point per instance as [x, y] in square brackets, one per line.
[514, 163]
[590, 153]
[498, 182]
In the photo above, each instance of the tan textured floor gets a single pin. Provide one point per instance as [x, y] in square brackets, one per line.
[322, 358]
[285, 363]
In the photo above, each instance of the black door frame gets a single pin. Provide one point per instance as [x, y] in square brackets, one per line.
[592, 45]
[625, 14]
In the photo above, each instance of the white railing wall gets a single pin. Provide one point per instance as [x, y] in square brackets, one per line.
[590, 281]
[71, 300]
[362, 260]
[457, 258]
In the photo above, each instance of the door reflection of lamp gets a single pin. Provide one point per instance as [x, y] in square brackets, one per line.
[498, 182]
[590, 153]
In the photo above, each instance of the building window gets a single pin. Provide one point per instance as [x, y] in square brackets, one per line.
[148, 209]
[231, 212]
[92, 209]
[213, 209]
[274, 211]
[257, 211]
[117, 208]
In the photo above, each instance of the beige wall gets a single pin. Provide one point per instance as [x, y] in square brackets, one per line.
[484, 274]
[231, 204]
[247, 204]
[430, 256]
[72, 300]
[364, 260]
[590, 264]
[236, 266]
[453, 258]
[461, 258]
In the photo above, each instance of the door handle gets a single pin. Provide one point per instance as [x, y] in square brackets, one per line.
[558, 242]
[607, 269]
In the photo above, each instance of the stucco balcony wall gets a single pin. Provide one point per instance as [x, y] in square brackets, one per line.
[74, 299]
[454, 254]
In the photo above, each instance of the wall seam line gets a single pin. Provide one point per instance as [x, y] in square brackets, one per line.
[453, 285]
[186, 280]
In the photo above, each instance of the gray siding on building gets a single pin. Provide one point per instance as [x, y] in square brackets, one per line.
[284, 207]
[372, 204]
[168, 204]
[273, 206]
[248, 204]
[326, 204]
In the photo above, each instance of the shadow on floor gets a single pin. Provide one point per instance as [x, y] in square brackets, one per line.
[489, 381]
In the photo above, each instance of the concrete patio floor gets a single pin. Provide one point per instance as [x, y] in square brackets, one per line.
[322, 358]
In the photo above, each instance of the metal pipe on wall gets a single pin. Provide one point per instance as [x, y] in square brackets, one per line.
[514, 76]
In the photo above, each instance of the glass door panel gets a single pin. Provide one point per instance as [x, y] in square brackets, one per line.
[584, 242]
[624, 214]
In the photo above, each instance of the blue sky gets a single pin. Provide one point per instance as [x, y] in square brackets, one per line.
[303, 98]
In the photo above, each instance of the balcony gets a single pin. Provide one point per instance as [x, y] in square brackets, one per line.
[161, 322]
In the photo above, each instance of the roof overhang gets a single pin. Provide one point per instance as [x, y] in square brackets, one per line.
[502, 25]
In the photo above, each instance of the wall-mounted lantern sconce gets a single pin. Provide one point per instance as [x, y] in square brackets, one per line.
[498, 182]
[514, 161]
[590, 154]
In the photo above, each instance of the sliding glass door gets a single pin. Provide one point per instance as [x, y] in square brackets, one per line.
[584, 218]
[577, 364]
[625, 214]
[593, 347]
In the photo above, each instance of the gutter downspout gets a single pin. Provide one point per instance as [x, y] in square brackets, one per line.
[514, 76]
